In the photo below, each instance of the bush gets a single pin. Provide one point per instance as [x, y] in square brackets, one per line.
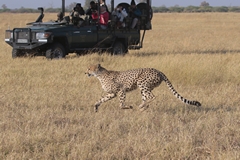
[176, 9]
[53, 10]
[163, 9]
[206, 9]
[191, 9]
[234, 9]
[221, 9]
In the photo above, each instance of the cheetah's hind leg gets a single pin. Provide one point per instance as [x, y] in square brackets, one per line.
[122, 97]
[126, 107]
[147, 97]
[145, 104]
[144, 108]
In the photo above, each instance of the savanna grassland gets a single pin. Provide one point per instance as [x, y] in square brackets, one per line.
[46, 107]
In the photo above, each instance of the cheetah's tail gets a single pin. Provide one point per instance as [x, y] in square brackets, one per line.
[176, 94]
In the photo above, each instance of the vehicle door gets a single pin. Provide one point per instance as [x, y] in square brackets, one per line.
[84, 37]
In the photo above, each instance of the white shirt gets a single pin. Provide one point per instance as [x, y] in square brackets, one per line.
[121, 15]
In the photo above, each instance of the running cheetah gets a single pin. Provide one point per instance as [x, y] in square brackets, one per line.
[120, 82]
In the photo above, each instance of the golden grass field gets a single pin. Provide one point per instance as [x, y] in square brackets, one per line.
[47, 111]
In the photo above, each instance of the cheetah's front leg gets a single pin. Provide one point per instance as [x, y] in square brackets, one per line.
[104, 99]
[122, 97]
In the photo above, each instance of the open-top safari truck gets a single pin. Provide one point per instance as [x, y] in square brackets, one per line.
[57, 39]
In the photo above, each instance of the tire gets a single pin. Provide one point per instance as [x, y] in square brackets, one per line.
[56, 51]
[17, 53]
[119, 48]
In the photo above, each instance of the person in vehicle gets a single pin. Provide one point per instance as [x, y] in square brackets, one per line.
[92, 9]
[103, 3]
[134, 13]
[78, 8]
[76, 20]
[120, 14]
[72, 12]
[103, 18]
[59, 17]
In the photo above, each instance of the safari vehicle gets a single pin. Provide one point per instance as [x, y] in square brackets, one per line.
[57, 39]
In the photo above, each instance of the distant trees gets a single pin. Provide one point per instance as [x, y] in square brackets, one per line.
[203, 7]
[234, 9]
[204, 4]
[193, 9]
[4, 6]
[87, 3]
[221, 9]
[161, 9]
[176, 8]
[71, 6]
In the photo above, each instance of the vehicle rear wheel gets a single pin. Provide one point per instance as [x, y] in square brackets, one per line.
[17, 53]
[119, 48]
[56, 51]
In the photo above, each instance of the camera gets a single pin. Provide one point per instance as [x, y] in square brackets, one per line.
[118, 9]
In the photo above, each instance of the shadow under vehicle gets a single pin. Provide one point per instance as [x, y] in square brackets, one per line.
[55, 40]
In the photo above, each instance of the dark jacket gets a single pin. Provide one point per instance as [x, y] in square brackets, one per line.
[135, 12]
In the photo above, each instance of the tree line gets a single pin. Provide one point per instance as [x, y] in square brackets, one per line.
[194, 9]
[204, 7]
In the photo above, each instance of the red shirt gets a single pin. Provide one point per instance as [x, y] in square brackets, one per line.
[104, 17]
[94, 15]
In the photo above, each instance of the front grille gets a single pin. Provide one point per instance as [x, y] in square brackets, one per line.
[23, 35]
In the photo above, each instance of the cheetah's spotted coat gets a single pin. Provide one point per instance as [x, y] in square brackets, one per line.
[120, 82]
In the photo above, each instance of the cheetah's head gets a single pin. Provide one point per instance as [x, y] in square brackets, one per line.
[94, 70]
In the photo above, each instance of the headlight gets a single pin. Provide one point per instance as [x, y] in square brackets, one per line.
[8, 35]
[43, 35]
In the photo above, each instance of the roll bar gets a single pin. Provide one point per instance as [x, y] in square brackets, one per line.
[149, 2]
[63, 7]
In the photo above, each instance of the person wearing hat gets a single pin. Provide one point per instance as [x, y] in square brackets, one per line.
[80, 9]
[134, 13]
[93, 8]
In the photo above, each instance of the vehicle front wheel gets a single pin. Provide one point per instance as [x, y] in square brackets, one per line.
[17, 53]
[56, 51]
[119, 48]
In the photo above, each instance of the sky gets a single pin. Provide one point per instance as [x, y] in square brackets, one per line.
[12, 4]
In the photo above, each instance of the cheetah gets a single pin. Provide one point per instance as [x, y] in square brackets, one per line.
[119, 82]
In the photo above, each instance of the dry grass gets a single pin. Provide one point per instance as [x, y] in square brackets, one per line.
[47, 106]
